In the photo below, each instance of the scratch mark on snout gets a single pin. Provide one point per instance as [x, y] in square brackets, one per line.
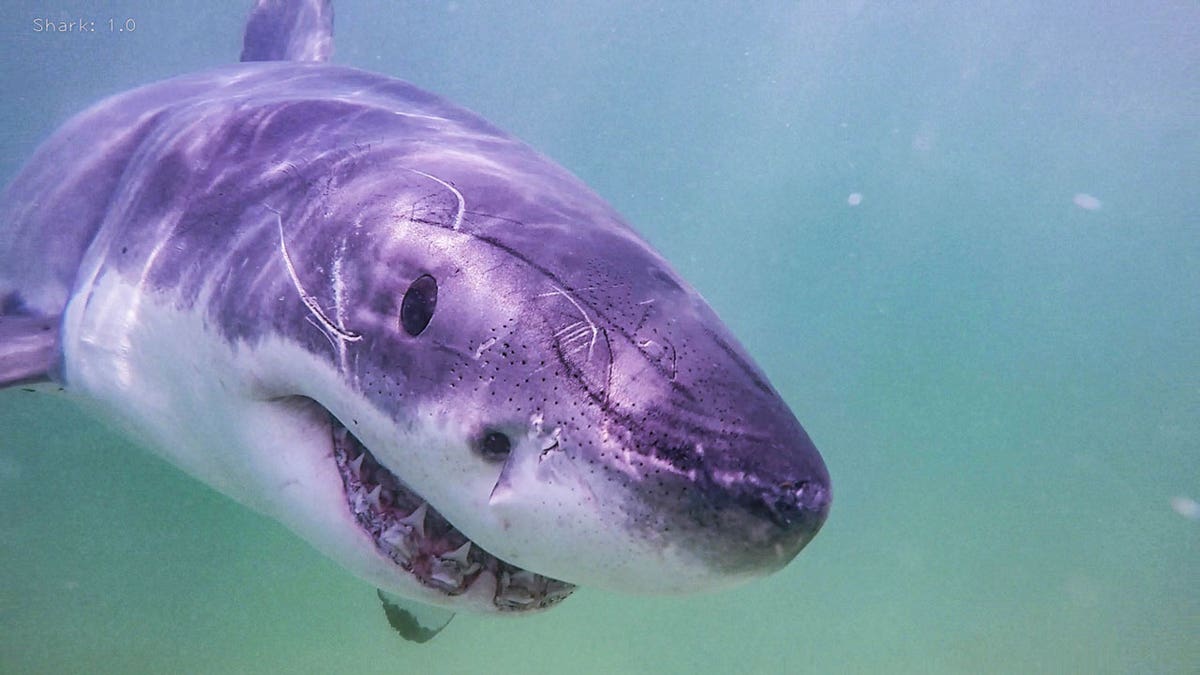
[584, 328]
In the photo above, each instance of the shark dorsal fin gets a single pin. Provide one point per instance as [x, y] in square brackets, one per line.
[289, 30]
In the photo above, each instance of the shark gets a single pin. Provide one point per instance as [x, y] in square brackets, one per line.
[419, 344]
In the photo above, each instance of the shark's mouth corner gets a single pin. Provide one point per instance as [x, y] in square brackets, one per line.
[410, 532]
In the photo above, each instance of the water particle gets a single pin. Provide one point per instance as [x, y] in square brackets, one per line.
[854, 199]
[1186, 506]
[1086, 202]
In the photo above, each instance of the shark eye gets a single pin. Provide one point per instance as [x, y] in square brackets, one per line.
[493, 445]
[419, 302]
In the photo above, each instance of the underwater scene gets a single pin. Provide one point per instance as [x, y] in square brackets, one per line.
[962, 240]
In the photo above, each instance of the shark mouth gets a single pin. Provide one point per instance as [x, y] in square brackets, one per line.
[406, 529]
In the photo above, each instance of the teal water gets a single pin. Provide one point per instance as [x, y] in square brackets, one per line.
[997, 348]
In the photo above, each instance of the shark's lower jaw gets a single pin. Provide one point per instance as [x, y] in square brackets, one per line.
[406, 529]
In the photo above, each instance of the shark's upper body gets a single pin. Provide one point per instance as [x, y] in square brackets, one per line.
[423, 346]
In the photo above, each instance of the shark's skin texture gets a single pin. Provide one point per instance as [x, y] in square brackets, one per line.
[258, 227]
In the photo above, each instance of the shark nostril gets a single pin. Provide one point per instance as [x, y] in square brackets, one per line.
[797, 493]
[794, 502]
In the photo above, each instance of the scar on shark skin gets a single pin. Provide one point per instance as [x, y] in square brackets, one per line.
[580, 335]
[462, 203]
[584, 328]
[309, 301]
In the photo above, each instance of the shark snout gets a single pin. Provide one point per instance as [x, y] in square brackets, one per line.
[756, 489]
[768, 516]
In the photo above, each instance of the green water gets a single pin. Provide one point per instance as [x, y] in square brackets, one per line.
[1004, 384]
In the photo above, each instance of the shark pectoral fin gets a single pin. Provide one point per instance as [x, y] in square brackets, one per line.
[28, 349]
[413, 620]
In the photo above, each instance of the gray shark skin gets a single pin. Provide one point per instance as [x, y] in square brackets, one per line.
[420, 344]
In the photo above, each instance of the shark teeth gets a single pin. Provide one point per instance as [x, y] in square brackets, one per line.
[451, 568]
[460, 554]
[522, 589]
[373, 497]
[356, 466]
[410, 532]
[416, 520]
[402, 542]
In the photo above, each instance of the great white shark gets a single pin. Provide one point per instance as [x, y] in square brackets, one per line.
[419, 344]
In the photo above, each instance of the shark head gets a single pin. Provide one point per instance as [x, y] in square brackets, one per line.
[525, 378]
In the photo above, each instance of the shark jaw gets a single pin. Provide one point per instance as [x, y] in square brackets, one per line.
[408, 531]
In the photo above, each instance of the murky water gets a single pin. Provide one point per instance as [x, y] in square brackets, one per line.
[963, 240]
